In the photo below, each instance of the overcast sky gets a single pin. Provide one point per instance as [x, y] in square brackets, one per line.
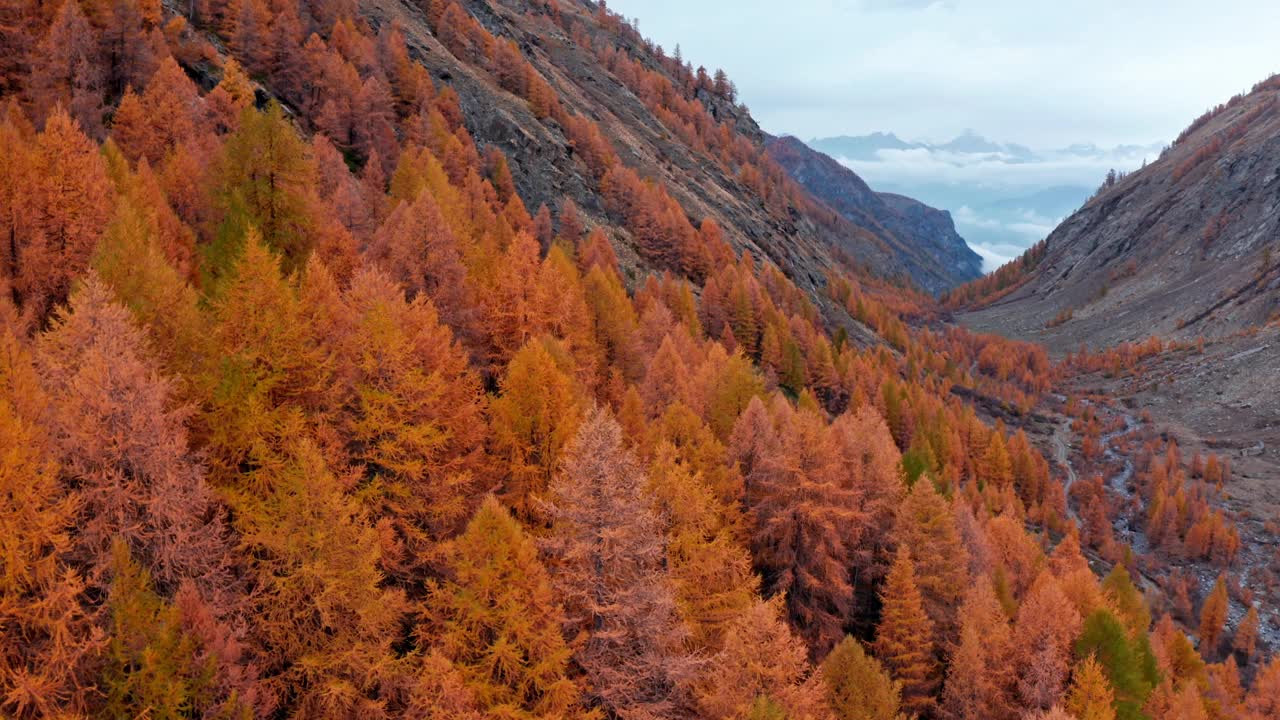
[1040, 73]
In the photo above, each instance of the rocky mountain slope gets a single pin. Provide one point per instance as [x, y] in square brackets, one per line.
[923, 237]
[644, 127]
[1184, 247]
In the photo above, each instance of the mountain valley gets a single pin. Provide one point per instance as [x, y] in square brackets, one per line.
[480, 359]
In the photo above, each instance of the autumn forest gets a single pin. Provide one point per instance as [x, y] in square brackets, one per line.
[313, 405]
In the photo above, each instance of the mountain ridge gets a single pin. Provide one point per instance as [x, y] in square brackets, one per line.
[1179, 248]
[944, 260]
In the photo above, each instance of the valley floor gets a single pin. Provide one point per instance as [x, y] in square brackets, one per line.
[1224, 400]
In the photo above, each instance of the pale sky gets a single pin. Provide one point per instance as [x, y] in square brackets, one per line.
[1043, 74]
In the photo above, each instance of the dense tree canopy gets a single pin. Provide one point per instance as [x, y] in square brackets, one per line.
[313, 405]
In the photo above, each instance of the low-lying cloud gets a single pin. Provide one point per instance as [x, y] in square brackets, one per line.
[998, 169]
[1002, 197]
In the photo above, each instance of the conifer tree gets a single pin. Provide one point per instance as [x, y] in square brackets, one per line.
[1045, 627]
[46, 649]
[563, 312]
[1127, 600]
[268, 367]
[571, 226]
[805, 522]
[154, 665]
[68, 203]
[710, 569]
[415, 418]
[761, 657]
[164, 116]
[1129, 663]
[265, 182]
[1175, 655]
[132, 263]
[858, 688]
[1264, 697]
[418, 248]
[325, 623]
[1090, 696]
[1245, 641]
[499, 622]
[609, 567]
[926, 526]
[67, 71]
[904, 639]
[124, 447]
[533, 420]
[979, 675]
[1213, 618]
[873, 469]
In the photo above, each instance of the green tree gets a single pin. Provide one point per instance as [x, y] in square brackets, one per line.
[1128, 662]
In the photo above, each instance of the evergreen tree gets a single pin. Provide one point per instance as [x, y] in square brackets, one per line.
[1128, 662]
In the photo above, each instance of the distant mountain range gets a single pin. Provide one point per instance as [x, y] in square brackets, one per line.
[1002, 196]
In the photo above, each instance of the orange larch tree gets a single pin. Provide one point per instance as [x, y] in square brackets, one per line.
[46, 649]
[805, 521]
[1045, 628]
[1213, 619]
[498, 620]
[68, 203]
[325, 622]
[608, 564]
[761, 658]
[926, 526]
[67, 70]
[124, 448]
[415, 415]
[858, 688]
[533, 420]
[904, 639]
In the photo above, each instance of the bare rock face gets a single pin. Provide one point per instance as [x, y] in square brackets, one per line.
[1187, 246]
[925, 238]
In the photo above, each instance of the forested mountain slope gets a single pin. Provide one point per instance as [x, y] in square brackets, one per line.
[470, 360]
[924, 237]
